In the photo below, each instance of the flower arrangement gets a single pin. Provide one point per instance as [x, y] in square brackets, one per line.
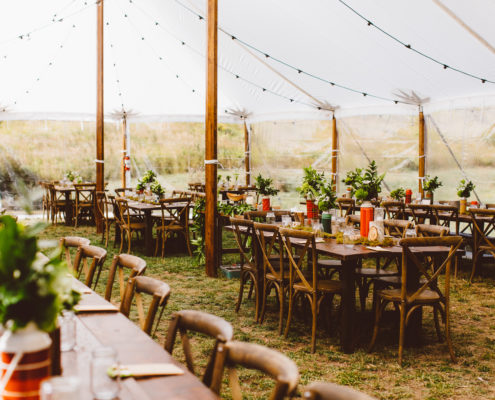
[365, 186]
[70, 175]
[157, 189]
[398, 194]
[264, 186]
[327, 197]
[311, 183]
[140, 186]
[465, 188]
[31, 288]
[431, 184]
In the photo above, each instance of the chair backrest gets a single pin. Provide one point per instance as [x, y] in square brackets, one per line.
[124, 212]
[422, 212]
[346, 206]
[54, 194]
[150, 286]
[261, 215]
[121, 262]
[121, 192]
[103, 204]
[85, 193]
[353, 219]
[425, 230]
[271, 244]
[96, 257]
[175, 212]
[243, 230]
[254, 356]
[201, 322]
[393, 209]
[409, 293]
[396, 227]
[296, 273]
[72, 241]
[484, 223]
[332, 391]
[445, 214]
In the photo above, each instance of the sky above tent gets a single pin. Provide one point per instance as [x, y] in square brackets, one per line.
[280, 64]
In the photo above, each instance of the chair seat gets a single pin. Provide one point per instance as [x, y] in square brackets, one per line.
[134, 225]
[277, 277]
[486, 248]
[171, 227]
[330, 263]
[396, 280]
[427, 296]
[373, 272]
[323, 286]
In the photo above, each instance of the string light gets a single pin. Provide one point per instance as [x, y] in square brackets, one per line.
[408, 46]
[234, 74]
[297, 69]
[49, 65]
[53, 22]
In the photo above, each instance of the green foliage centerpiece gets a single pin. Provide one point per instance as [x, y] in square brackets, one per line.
[310, 189]
[398, 194]
[365, 184]
[265, 189]
[464, 192]
[430, 185]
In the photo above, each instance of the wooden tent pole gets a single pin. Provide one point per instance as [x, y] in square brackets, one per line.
[211, 243]
[247, 154]
[124, 147]
[100, 151]
[335, 150]
[421, 153]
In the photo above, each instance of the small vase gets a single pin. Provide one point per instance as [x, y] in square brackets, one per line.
[266, 203]
[326, 221]
[26, 355]
[429, 196]
[310, 208]
[463, 206]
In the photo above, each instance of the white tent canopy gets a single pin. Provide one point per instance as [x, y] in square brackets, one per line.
[155, 65]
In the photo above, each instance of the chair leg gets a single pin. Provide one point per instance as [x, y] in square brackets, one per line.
[379, 307]
[263, 304]
[289, 315]
[129, 238]
[314, 312]
[188, 243]
[437, 323]
[257, 304]
[121, 240]
[475, 261]
[447, 333]
[282, 308]
[241, 290]
[402, 331]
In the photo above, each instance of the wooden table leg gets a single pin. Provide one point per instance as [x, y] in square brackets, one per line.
[348, 305]
[69, 219]
[148, 233]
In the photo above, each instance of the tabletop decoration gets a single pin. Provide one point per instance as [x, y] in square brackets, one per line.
[464, 192]
[264, 188]
[157, 189]
[310, 189]
[326, 201]
[430, 185]
[398, 194]
[34, 290]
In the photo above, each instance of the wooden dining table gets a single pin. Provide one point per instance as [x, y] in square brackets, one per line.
[67, 191]
[133, 346]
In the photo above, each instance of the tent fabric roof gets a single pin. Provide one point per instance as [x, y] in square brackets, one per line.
[155, 65]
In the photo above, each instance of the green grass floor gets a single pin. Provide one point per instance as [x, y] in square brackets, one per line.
[427, 372]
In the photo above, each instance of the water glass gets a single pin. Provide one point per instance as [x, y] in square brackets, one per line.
[410, 233]
[349, 238]
[379, 214]
[286, 221]
[270, 218]
[103, 387]
[60, 388]
[317, 228]
[67, 330]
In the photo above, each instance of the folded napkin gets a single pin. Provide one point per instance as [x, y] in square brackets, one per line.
[139, 370]
[95, 308]
[377, 248]
[319, 240]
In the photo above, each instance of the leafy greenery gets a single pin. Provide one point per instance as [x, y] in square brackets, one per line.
[431, 184]
[311, 183]
[148, 177]
[398, 194]
[365, 187]
[157, 189]
[464, 189]
[71, 175]
[140, 185]
[264, 186]
[327, 196]
[31, 289]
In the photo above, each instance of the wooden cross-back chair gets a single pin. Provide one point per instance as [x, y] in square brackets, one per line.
[394, 209]
[120, 263]
[254, 356]
[160, 292]
[483, 221]
[84, 205]
[445, 214]
[307, 285]
[414, 295]
[332, 391]
[346, 205]
[57, 203]
[244, 237]
[127, 222]
[425, 230]
[89, 259]
[396, 227]
[174, 220]
[68, 242]
[200, 322]
[104, 207]
[260, 216]
[121, 192]
[274, 275]
[422, 213]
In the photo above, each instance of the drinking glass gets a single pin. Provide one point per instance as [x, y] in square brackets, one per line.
[379, 214]
[60, 388]
[410, 233]
[349, 238]
[67, 330]
[102, 386]
[286, 221]
[270, 218]
[317, 228]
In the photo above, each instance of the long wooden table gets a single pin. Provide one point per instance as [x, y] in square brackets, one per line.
[67, 191]
[96, 329]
